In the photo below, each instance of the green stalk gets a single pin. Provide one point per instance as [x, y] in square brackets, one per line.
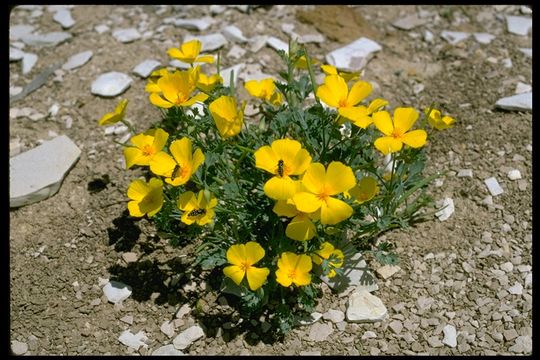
[311, 76]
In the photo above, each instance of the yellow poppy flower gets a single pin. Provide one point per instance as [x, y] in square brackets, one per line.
[228, 118]
[301, 63]
[320, 185]
[332, 70]
[285, 157]
[243, 257]
[178, 168]
[301, 227]
[327, 251]
[197, 209]
[189, 53]
[364, 191]
[147, 198]
[151, 85]
[293, 269]
[264, 89]
[146, 146]
[115, 116]
[208, 83]
[397, 132]
[361, 116]
[176, 89]
[438, 122]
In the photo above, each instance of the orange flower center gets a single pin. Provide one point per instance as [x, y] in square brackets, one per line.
[343, 102]
[323, 194]
[245, 266]
[397, 134]
[292, 274]
[148, 150]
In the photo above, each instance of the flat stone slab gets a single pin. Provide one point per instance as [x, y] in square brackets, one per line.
[209, 42]
[454, 37]
[277, 44]
[167, 350]
[519, 25]
[126, 35]
[15, 54]
[78, 60]
[519, 102]
[116, 291]
[483, 38]
[234, 34]
[364, 307]
[194, 24]
[28, 62]
[493, 186]
[48, 39]
[37, 174]
[17, 32]
[187, 337]
[63, 17]
[447, 205]
[410, 22]
[145, 68]
[111, 84]
[354, 56]
[355, 273]
[134, 341]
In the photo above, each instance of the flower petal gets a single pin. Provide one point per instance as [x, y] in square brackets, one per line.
[365, 190]
[254, 252]
[339, 178]
[359, 91]
[404, 118]
[256, 277]
[132, 156]
[376, 104]
[175, 53]
[266, 159]
[152, 202]
[286, 150]
[133, 207]
[236, 254]
[300, 162]
[162, 164]
[282, 208]
[253, 87]
[209, 59]
[235, 273]
[282, 277]
[334, 211]
[313, 179]
[181, 151]
[301, 228]
[280, 188]
[200, 97]
[415, 138]
[307, 202]
[303, 263]
[157, 100]
[383, 122]
[187, 201]
[388, 144]
[198, 159]
[137, 190]
[160, 139]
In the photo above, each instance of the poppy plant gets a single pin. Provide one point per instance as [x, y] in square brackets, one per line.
[189, 53]
[115, 116]
[198, 208]
[176, 89]
[147, 198]
[146, 145]
[228, 118]
[396, 132]
[293, 269]
[243, 257]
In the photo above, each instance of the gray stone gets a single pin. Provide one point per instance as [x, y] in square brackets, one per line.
[369, 335]
[310, 353]
[354, 56]
[15, 54]
[320, 332]
[364, 307]
[396, 326]
[493, 186]
[209, 42]
[18, 348]
[51, 160]
[217, 9]
[335, 316]
[514, 174]
[410, 22]
[388, 270]
[116, 291]
[257, 42]
[236, 52]
[167, 328]
[145, 68]
[522, 88]
[447, 210]
[454, 37]
[528, 280]
[28, 62]
[134, 341]
[17, 32]
[507, 266]
[48, 39]
[179, 64]
[526, 51]
[228, 72]
[242, 8]
[516, 289]
[234, 34]
[465, 173]
[308, 319]
[483, 38]
[78, 60]
[311, 38]
[277, 44]
[523, 344]
[435, 342]
[510, 334]
[187, 337]
[428, 36]
[194, 24]
[111, 84]
[130, 257]
[128, 319]
[126, 35]
[507, 63]
[450, 336]
[424, 303]
[63, 17]
[519, 25]
[167, 350]
[100, 29]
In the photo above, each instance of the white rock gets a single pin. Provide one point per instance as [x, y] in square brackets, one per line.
[507, 63]
[311, 38]
[526, 51]
[368, 335]
[18, 348]
[217, 9]
[355, 271]
[116, 291]
[48, 39]
[145, 68]
[236, 52]
[134, 341]
[126, 35]
[17, 32]
[209, 42]
[522, 88]
[111, 84]
[167, 328]
[53, 110]
[320, 332]
[364, 307]
[51, 160]
[519, 25]
[63, 17]
[483, 38]
[528, 280]
[128, 319]
[308, 319]
[226, 74]
[194, 24]
[100, 29]
[520, 102]
[454, 37]
[450, 336]
[257, 42]
[396, 326]
[167, 350]
[14, 90]
[78, 60]
[277, 44]
[424, 303]
[514, 174]
[410, 22]
[187, 337]
[507, 266]
[15, 54]
[234, 34]
[179, 64]
[493, 186]
[418, 88]
[388, 270]
[334, 315]
[428, 36]
[242, 8]
[523, 344]
[28, 62]
[354, 56]
[525, 10]
[516, 289]
[465, 173]
[448, 209]
[308, 353]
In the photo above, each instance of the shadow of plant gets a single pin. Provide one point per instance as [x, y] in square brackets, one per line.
[125, 232]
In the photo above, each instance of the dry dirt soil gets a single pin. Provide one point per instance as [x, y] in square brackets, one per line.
[61, 249]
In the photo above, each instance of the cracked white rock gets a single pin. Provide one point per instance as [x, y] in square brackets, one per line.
[145, 68]
[194, 24]
[514, 174]
[78, 60]
[167, 350]
[234, 34]
[126, 35]
[450, 336]
[493, 186]
[364, 307]
[454, 37]
[63, 17]
[428, 36]
[519, 102]
[134, 341]
[116, 291]
[354, 56]
[483, 38]
[277, 44]
[187, 337]
[28, 62]
[111, 84]
[17, 32]
[447, 210]
[519, 25]
[209, 42]
[52, 160]
[48, 39]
